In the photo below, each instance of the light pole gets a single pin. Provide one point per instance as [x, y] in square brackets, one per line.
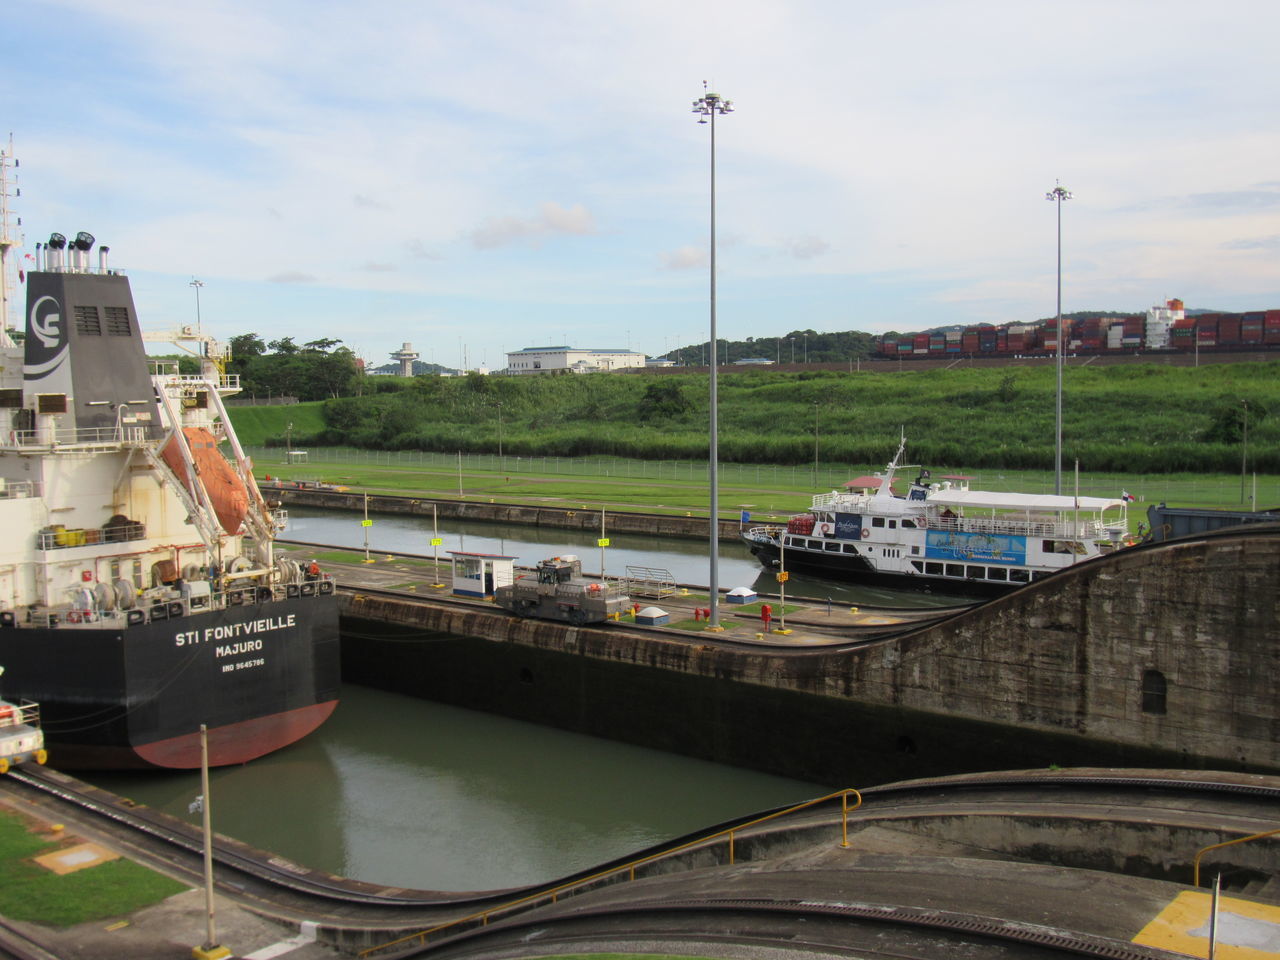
[778, 344]
[196, 285]
[499, 430]
[806, 347]
[707, 107]
[1057, 195]
[792, 341]
[1244, 451]
[815, 444]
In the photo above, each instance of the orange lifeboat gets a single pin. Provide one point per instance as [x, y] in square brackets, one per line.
[226, 492]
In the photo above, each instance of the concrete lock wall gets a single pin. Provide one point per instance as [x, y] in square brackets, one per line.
[563, 518]
[1051, 675]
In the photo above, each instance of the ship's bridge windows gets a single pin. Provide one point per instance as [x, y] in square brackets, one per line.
[11, 398]
[877, 521]
[1155, 693]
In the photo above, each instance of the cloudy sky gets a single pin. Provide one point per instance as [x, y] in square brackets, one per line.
[486, 175]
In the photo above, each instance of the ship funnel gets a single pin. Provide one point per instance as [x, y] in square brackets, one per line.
[82, 244]
[39, 256]
[102, 258]
[57, 243]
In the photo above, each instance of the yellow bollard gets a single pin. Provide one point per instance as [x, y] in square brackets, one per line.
[853, 610]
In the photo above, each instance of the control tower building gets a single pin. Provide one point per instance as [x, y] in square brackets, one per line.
[406, 355]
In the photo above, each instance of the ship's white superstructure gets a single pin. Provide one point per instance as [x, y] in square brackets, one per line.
[942, 533]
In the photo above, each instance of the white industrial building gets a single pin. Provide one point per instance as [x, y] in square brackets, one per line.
[571, 360]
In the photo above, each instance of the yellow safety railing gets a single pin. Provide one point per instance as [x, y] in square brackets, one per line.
[554, 892]
[1228, 843]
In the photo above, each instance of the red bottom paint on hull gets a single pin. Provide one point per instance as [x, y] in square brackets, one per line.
[236, 742]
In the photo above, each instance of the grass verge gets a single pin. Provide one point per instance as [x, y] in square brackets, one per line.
[30, 892]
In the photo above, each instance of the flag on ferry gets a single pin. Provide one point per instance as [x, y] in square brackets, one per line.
[1127, 497]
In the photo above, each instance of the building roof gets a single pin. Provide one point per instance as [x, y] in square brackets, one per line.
[567, 349]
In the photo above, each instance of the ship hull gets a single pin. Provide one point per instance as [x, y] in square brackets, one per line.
[857, 569]
[259, 675]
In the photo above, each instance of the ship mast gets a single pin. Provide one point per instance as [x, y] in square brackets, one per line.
[9, 238]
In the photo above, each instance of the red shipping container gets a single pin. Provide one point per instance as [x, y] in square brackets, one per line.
[1252, 334]
[1272, 318]
[1229, 330]
[1272, 335]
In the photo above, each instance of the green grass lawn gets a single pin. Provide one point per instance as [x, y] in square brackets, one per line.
[30, 892]
[768, 493]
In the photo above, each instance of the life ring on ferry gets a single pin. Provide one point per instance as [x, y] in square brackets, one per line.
[866, 532]
[74, 616]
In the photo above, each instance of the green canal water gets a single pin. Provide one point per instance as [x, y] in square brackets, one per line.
[410, 793]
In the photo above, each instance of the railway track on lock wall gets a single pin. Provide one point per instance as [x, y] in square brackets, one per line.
[358, 913]
[834, 638]
[835, 635]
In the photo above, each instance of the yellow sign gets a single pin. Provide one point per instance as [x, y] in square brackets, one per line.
[366, 523]
[436, 541]
[783, 577]
[602, 542]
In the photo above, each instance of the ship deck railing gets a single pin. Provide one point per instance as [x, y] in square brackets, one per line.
[61, 539]
[80, 438]
[19, 489]
[229, 382]
[1044, 528]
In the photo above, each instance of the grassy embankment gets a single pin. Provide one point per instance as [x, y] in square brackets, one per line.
[30, 892]
[1155, 431]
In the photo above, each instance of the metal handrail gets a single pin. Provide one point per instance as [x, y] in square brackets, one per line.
[1227, 843]
[554, 892]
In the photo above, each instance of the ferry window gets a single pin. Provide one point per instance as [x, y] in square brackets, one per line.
[788, 541]
[11, 398]
[915, 551]
[815, 544]
[849, 548]
[919, 567]
[1046, 546]
[976, 573]
[997, 573]
[1020, 576]
[1155, 690]
[877, 521]
[955, 570]
[137, 574]
[933, 568]
[115, 569]
[893, 524]
[909, 524]
[831, 547]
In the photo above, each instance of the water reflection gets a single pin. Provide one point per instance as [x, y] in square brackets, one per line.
[409, 793]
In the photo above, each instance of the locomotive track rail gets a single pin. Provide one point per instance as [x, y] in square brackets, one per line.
[1225, 805]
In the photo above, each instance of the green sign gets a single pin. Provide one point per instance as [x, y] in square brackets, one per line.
[436, 541]
[602, 542]
[366, 523]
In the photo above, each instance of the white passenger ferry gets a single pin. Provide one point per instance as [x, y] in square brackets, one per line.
[941, 535]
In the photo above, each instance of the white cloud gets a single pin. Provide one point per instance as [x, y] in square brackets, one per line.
[550, 220]
[686, 258]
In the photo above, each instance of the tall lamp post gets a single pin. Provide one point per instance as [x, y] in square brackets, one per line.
[707, 107]
[1057, 195]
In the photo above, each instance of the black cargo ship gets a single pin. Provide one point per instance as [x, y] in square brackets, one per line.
[139, 593]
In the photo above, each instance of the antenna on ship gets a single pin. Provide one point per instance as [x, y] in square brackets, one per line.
[9, 237]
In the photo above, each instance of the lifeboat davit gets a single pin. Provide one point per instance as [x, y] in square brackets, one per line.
[226, 491]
